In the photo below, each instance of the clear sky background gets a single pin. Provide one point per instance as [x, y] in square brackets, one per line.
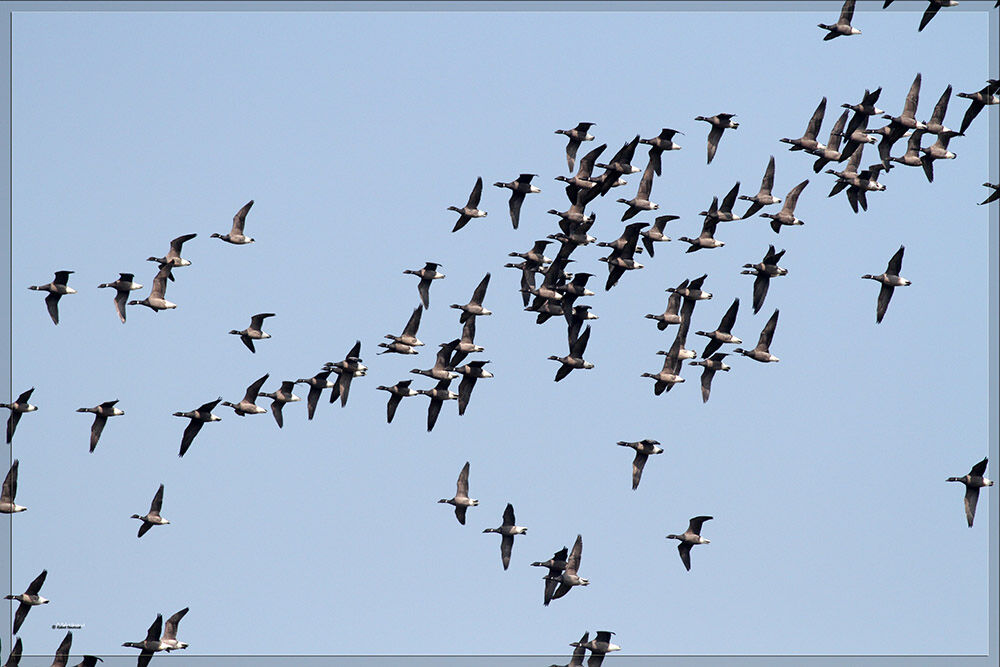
[834, 530]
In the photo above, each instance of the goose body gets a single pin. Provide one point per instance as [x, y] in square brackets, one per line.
[442, 363]
[254, 331]
[28, 599]
[236, 235]
[101, 413]
[974, 481]
[17, 408]
[169, 637]
[643, 450]
[719, 122]
[152, 517]
[599, 647]
[461, 501]
[426, 275]
[248, 405]
[122, 287]
[199, 417]
[762, 352]
[843, 25]
[470, 210]
[689, 538]
[507, 531]
[397, 392]
[156, 301]
[889, 280]
[56, 289]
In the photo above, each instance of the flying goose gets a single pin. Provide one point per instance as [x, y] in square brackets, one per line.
[507, 530]
[808, 140]
[993, 196]
[199, 416]
[173, 257]
[575, 357]
[438, 395]
[655, 234]
[724, 213]
[156, 300]
[426, 275]
[466, 344]
[56, 289]
[279, 398]
[556, 565]
[599, 646]
[519, 188]
[152, 517]
[619, 165]
[843, 25]
[61, 657]
[762, 352]
[470, 372]
[707, 237]
[122, 287]
[348, 369]
[641, 200]
[442, 363]
[101, 413]
[150, 644]
[689, 538]
[254, 331]
[462, 502]
[569, 578]
[169, 636]
[89, 661]
[28, 599]
[831, 152]
[724, 334]
[470, 210]
[712, 364]
[575, 214]
[763, 197]
[397, 392]
[857, 138]
[17, 408]
[669, 375]
[692, 293]
[766, 269]
[890, 280]
[719, 123]
[317, 384]
[664, 141]
[248, 405]
[620, 261]
[984, 97]
[973, 482]
[890, 133]
[643, 449]
[787, 214]
[867, 105]
[475, 306]
[7, 504]
[576, 135]
[235, 235]
[670, 315]
[937, 151]
[535, 255]
[576, 660]
[582, 180]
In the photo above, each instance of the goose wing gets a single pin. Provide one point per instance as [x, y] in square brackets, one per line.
[424, 288]
[847, 12]
[170, 627]
[12, 421]
[10, 483]
[977, 470]
[768, 181]
[706, 383]
[760, 285]
[941, 108]
[768, 332]
[121, 297]
[239, 220]
[573, 563]
[177, 243]
[792, 198]
[62, 653]
[516, 199]
[975, 106]
[884, 296]
[729, 319]
[730, 198]
[413, 323]
[713, 141]
[476, 195]
[465, 392]
[932, 9]
[580, 344]
[684, 548]
[912, 97]
[96, 429]
[154, 507]
[257, 321]
[254, 388]
[394, 400]
[462, 487]
[36, 584]
[506, 545]
[433, 410]
[190, 431]
[587, 162]
[812, 129]
[694, 526]
[896, 263]
[52, 304]
[971, 499]
[638, 463]
[480, 293]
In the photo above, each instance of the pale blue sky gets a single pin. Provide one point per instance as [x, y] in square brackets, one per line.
[834, 530]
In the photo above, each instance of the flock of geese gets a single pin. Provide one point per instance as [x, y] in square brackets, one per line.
[555, 296]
